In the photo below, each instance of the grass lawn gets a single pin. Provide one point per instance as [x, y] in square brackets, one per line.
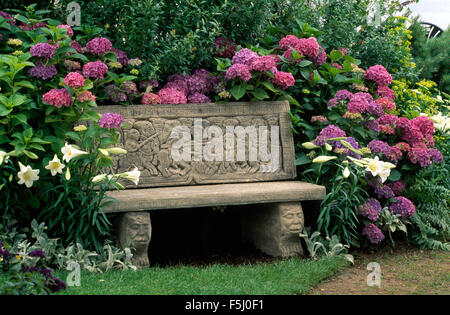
[291, 276]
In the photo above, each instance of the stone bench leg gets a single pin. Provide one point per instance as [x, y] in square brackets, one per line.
[274, 228]
[135, 231]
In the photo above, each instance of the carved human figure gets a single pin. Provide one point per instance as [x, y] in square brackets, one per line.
[135, 231]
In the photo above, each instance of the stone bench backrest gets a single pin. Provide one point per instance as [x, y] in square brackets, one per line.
[178, 145]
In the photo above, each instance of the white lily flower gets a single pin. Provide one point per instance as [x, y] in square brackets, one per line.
[27, 175]
[70, 152]
[55, 166]
[375, 166]
[132, 175]
[384, 174]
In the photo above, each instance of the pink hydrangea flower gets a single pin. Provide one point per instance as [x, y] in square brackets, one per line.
[58, 97]
[358, 104]
[288, 41]
[378, 74]
[424, 124]
[74, 80]
[86, 96]
[172, 96]
[387, 104]
[99, 46]
[224, 47]
[150, 98]
[69, 29]
[262, 63]
[238, 70]
[386, 92]
[283, 79]
[95, 69]
[308, 47]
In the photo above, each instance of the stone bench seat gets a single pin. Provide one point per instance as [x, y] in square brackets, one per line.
[160, 198]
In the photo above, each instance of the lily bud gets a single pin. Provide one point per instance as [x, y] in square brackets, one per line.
[116, 151]
[323, 159]
[346, 172]
[309, 145]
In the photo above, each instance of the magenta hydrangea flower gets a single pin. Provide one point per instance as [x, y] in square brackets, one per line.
[308, 47]
[262, 63]
[95, 69]
[76, 45]
[373, 233]
[337, 66]
[403, 206]
[238, 70]
[180, 85]
[378, 74]
[172, 96]
[43, 72]
[99, 46]
[386, 92]
[423, 124]
[419, 153]
[111, 120]
[288, 41]
[43, 50]
[358, 103]
[224, 47]
[387, 119]
[86, 96]
[150, 99]
[329, 132]
[68, 28]
[393, 153]
[283, 79]
[58, 97]
[288, 55]
[371, 209]
[198, 98]
[244, 57]
[403, 146]
[74, 80]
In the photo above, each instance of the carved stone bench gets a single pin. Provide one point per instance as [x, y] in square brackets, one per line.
[206, 155]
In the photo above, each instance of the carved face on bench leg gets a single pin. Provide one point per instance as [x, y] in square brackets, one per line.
[291, 219]
[135, 231]
[291, 224]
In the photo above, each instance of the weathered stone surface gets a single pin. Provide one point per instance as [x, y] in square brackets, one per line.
[274, 228]
[135, 231]
[213, 195]
[150, 142]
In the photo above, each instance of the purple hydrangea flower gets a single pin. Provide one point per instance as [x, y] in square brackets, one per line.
[340, 148]
[373, 233]
[403, 206]
[372, 125]
[371, 209]
[375, 109]
[199, 83]
[115, 94]
[122, 57]
[43, 72]
[244, 57]
[111, 120]
[198, 98]
[329, 132]
[378, 146]
[43, 50]
[343, 95]
[129, 87]
[320, 58]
